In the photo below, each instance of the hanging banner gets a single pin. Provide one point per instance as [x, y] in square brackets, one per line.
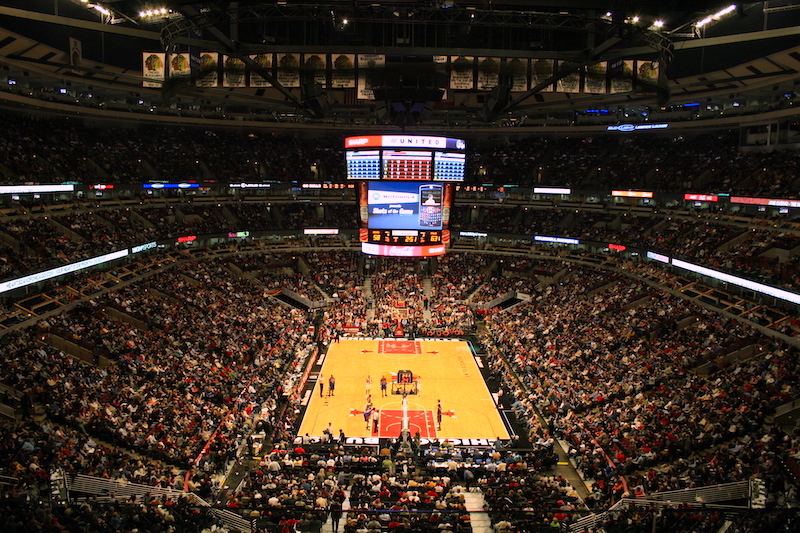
[209, 65]
[233, 72]
[488, 73]
[316, 65]
[179, 65]
[289, 70]
[366, 64]
[153, 68]
[518, 70]
[571, 83]
[75, 53]
[440, 63]
[621, 71]
[541, 69]
[462, 72]
[647, 72]
[595, 81]
[343, 75]
[264, 61]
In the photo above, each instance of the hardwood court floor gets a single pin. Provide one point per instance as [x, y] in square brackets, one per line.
[448, 372]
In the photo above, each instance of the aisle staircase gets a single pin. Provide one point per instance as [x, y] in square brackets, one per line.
[478, 517]
[369, 297]
[427, 290]
[327, 527]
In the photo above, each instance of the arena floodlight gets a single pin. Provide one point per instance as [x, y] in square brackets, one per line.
[154, 13]
[715, 17]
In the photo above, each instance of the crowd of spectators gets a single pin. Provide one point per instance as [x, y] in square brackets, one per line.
[610, 363]
[200, 369]
[604, 363]
[761, 252]
[398, 293]
[509, 274]
[44, 149]
[613, 370]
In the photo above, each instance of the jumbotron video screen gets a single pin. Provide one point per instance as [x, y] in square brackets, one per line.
[406, 191]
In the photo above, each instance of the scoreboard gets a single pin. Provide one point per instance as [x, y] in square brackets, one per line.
[405, 237]
[405, 157]
[405, 192]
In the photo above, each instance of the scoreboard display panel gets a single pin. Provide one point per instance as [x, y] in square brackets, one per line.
[406, 191]
[407, 165]
[405, 157]
[404, 218]
[402, 205]
[448, 166]
[407, 237]
[365, 165]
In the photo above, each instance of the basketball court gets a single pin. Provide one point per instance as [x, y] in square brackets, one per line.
[430, 372]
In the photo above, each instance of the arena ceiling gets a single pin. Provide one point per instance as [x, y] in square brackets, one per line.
[746, 57]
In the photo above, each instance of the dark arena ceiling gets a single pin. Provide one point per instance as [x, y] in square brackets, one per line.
[535, 64]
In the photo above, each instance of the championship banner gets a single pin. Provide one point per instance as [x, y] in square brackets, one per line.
[366, 63]
[488, 73]
[571, 83]
[518, 69]
[343, 75]
[316, 65]
[621, 75]
[153, 68]
[289, 70]
[595, 81]
[233, 73]
[208, 75]
[179, 65]
[462, 73]
[541, 69]
[440, 63]
[75, 52]
[647, 71]
[264, 61]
